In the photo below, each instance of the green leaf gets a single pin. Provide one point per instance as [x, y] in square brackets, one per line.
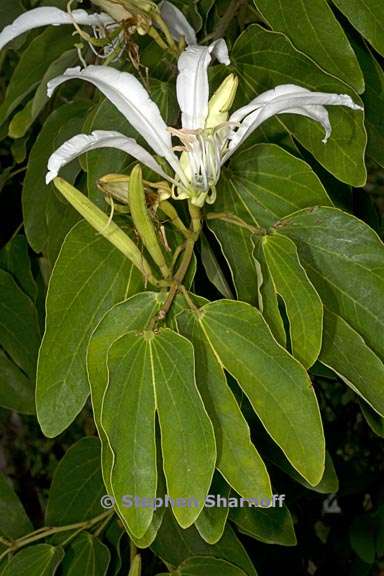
[132, 314]
[211, 521]
[274, 382]
[17, 391]
[262, 184]
[14, 522]
[175, 545]
[213, 269]
[14, 258]
[87, 556]
[267, 301]
[9, 11]
[237, 460]
[269, 525]
[23, 120]
[367, 16]
[47, 217]
[89, 277]
[36, 58]
[374, 421]
[264, 59]
[337, 249]
[315, 31]
[203, 566]
[77, 485]
[362, 539]
[303, 305]
[373, 99]
[158, 371]
[37, 560]
[346, 352]
[19, 326]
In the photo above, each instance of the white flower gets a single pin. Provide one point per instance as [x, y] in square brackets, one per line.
[50, 15]
[207, 139]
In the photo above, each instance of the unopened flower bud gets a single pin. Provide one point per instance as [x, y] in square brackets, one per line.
[114, 9]
[221, 102]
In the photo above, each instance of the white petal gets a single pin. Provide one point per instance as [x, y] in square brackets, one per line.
[177, 23]
[285, 99]
[132, 100]
[45, 16]
[192, 81]
[82, 143]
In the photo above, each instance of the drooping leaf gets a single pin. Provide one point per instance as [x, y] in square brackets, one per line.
[302, 303]
[367, 16]
[87, 556]
[269, 525]
[77, 486]
[19, 326]
[89, 277]
[158, 370]
[238, 460]
[36, 560]
[315, 31]
[374, 421]
[14, 522]
[213, 269]
[344, 259]
[274, 382]
[264, 59]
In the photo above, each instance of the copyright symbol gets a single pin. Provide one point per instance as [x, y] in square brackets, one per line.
[107, 501]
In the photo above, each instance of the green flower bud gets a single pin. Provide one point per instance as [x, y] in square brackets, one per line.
[221, 102]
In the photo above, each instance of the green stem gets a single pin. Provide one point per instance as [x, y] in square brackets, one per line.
[45, 532]
[225, 20]
[235, 220]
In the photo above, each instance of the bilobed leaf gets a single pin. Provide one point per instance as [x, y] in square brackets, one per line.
[269, 525]
[19, 326]
[17, 391]
[89, 277]
[47, 218]
[203, 566]
[367, 16]
[274, 382]
[132, 314]
[262, 184]
[344, 259]
[175, 545]
[158, 371]
[36, 58]
[36, 560]
[238, 460]
[303, 305]
[264, 59]
[77, 485]
[314, 30]
[87, 556]
[14, 522]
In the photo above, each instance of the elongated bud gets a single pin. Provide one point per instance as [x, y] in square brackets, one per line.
[133, 7]
[221, 102]
[110, 230]
[114, 9]
[115, 185]
[142, 220]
